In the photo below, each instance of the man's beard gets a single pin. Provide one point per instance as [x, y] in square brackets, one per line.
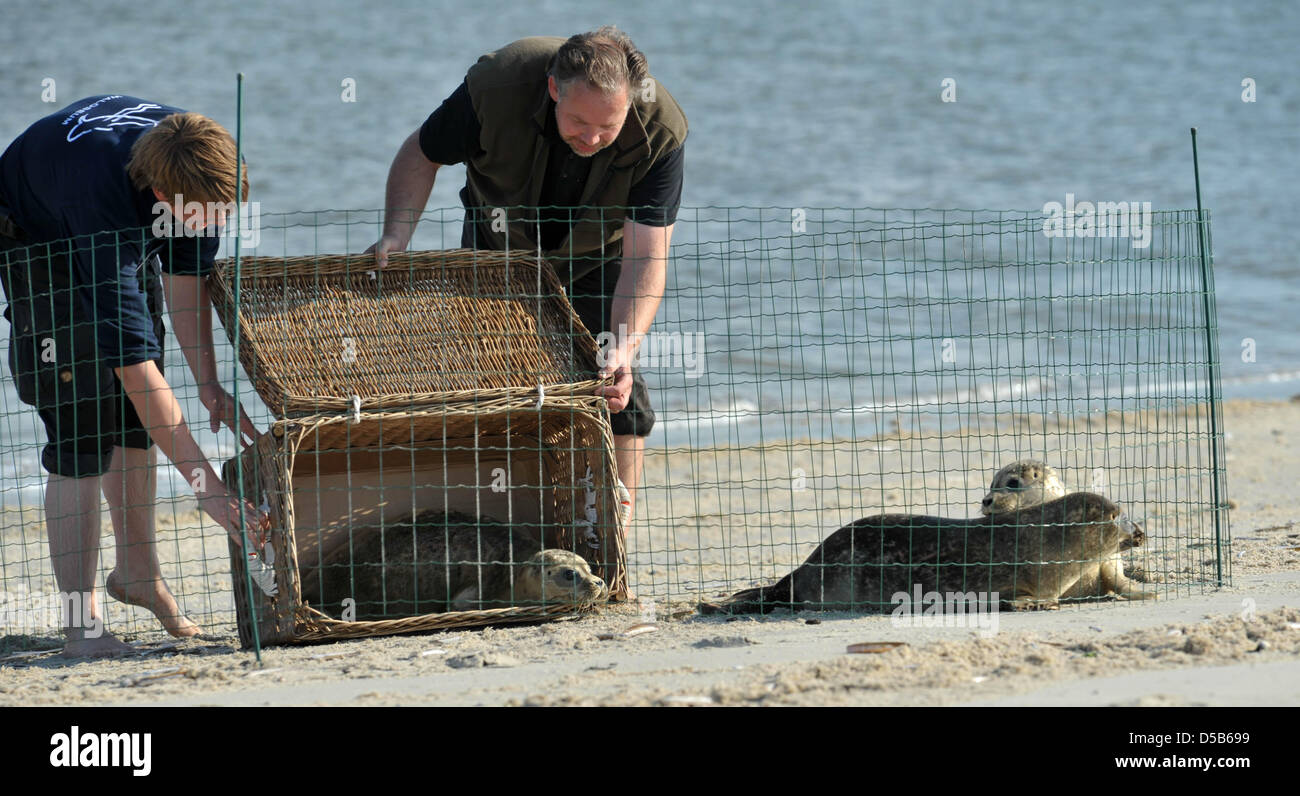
[575, 151]
[569, 143]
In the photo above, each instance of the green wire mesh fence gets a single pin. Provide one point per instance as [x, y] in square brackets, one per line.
[807, 367]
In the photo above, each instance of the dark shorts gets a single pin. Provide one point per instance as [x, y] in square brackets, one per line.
[592, 297]
[56, 368]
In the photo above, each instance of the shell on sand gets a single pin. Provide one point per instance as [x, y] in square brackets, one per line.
[438, 562]
[1029, 557]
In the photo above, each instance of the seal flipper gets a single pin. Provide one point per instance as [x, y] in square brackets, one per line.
[758, 600]
[467, 600]
[742, 602]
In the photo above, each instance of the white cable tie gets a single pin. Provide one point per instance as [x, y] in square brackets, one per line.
[541, 395]
[356, 409]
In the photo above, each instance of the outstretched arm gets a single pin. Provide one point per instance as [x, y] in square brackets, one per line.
[160, 413]
[410, 181]
[637, 295]
[190, 305]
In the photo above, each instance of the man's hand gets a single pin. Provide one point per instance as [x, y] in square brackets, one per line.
[223, 507]
[617, 362]
[221, 406]
[386, 245]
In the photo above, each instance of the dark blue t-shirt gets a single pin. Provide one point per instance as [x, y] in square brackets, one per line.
[64, 179]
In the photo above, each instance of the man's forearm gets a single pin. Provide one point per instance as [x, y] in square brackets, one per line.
[641, 282]
[635, 304]
[410, 181]
[160, 413]
[190, 308]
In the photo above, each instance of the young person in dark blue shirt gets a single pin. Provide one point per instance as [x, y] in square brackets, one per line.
[105, 207]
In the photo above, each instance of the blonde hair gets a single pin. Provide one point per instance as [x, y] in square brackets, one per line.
[190, 155]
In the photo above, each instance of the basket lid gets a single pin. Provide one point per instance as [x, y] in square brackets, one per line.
[320, 333]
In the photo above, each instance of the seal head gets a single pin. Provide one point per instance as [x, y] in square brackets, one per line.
[1027, 482]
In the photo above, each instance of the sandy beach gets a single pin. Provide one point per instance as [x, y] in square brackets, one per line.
[1198, 644]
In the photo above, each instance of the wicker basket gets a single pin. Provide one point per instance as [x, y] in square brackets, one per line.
[433, 327]
[400, 391]
[322, 476]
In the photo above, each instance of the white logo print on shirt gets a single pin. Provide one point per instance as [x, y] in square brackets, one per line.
[127, 117]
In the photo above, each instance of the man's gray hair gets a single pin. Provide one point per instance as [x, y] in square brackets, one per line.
[606, 59]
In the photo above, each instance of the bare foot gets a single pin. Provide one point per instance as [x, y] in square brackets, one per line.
[157, 598]
[105, 646]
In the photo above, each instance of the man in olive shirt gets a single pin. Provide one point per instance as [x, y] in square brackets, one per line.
[582, 150]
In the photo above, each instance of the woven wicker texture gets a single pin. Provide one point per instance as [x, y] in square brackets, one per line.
[315, 331]
[316, 626]
[559, 443]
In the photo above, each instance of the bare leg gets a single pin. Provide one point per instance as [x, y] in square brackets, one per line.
[629, 450]
[130, 486]
[72, 517]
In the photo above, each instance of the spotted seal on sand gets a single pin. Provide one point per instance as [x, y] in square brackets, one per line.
[1030, 482]
[439, 562]
[1031, 557]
